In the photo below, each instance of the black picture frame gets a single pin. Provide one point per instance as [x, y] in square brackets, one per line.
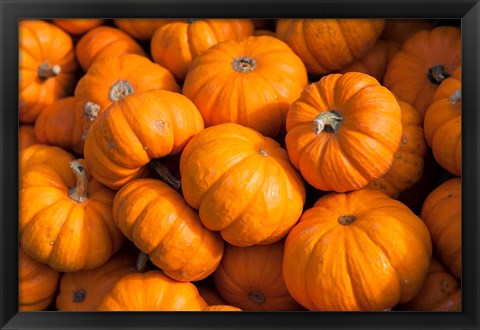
[12, 10]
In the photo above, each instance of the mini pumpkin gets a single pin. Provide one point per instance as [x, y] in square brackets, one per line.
[210, 294]
[26, 136]
[42, 153]
[222, 308]
[400, 30]
[356, 251]
[343, 131]
[142, 28]
[78, 26]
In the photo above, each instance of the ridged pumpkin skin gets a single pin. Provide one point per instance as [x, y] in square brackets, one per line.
[242, 184]
[65, 218]
[228, 83]
[251, 278]
[161, 224]
[83, 290]
[152, 291]
[37, 283]
[122, 140]
[222, 308]
[326, 45]
[425, 60]
[356, 251]
[343, 131]
[443, 124]
[104, 41]
[441, 292]
[210, 294]
[46, 67]
[407, 166]
[26, 136]
[441, 212]
[78, 26]
[175, 45]
[59, 125]
[142, 29]
[42, 153]
[400, 30]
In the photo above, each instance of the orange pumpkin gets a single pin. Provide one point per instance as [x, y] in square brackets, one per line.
[400, 30]
[441, 292]
[407, 166]
[242, 183]
[259, 286]
[443, 123]
[441, 212]
[176, 44]
[263, 32]
[65, 218]
[156, 218]
[343, 131]
[151, 291]
[104, 41]
[26, 136]
[356, 251]
[122, 140]
[37, 283]
[46, 67]
[83, 290]
[221, 308]
[42, 153]
[210, 294]
[142, 29]
[425, 60]
[229, 83]
[78, 26]
[326, 45]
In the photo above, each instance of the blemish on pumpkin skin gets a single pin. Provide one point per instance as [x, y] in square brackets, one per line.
[161, 126]
[111, 145]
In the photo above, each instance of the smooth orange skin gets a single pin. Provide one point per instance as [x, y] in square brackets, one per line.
[78, 26]
[257, 268]
[224, 95]
[37, 283]
[141, 292]
[176, 44]
[443, 125]
[400, 30]
[407, 72]
[41, 42]
[160, 223]
[95, 283]
[250, 198]
[222, 308]
[210, 294]
[42, 153]
[327, 45]
[122, 140]
[408, 163]
[441, 212]
[376, 262]
[58, 231]
[441, 292]
[264, 32]
[104, 41]
[26, 136]
[142, 29]
[59, 125]
[362, 149]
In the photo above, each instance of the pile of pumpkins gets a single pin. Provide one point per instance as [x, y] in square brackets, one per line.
[239, 165]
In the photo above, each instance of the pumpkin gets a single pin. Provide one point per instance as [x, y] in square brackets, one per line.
[78, 26]
[37, 283]
[176, 44]
[46, 67]
[441, 212]
[26, 136]
[264, 32]
[356, 251]
[210, 294]
[42, 153]
[156, 218]
[221, 308]
[104, 41]
[400, 30]
[441, 292]
[122, 140]
[83, 290]
[59, 124]
[228, 83]
[343, 131]
[242, 183]
[326, 45]
[251, 278]
[142, 29]
[407, 166]
[425, 60]
[65, 218]
[151, 291]
[443, 123]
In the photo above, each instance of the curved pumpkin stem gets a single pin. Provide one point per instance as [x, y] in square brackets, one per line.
[91, 110]
[437, 74]
[165, 173]
[46, 71]
[455, 97]
[329, 121]
[141, 263]
[80, 192]
[120, 89]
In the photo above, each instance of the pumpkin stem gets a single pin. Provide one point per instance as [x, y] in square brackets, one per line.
[120, 89]
[191, 20]
[329, 121]
[142, 260]
[455, 97]
[46, 71]
[263, 152]
[244, 64]
[346, 220]
[165, 173]
[91, 110]
[256, 297]
[78, 295]
[79, 193]
[437, 74]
